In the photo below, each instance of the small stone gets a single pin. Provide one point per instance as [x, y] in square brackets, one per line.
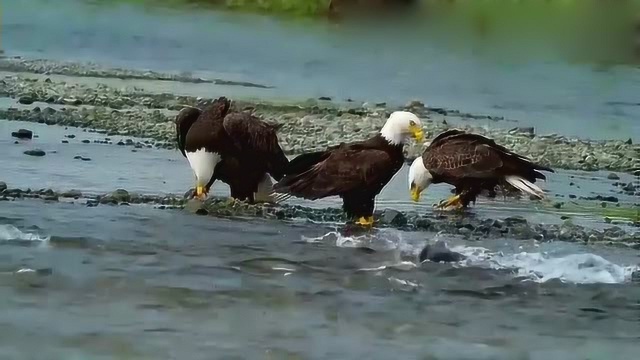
[86, 141]
[22, 134]
[629, 188]
[35, 152]
[25, 100]
[613, 176]
[571, 196]
[558, 205]
[120, 143]
[70, 136]
[324, 98]
[65, 141]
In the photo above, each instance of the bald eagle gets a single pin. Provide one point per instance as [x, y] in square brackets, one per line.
[236, 148]
[472, 163]
[356, 172]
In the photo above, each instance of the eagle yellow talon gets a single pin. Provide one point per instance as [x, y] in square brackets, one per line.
[200, 194]
[368, 221]
[453, 201]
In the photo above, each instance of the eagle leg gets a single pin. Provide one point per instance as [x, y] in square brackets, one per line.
[201, 193]
[454, 201]
[368, 221]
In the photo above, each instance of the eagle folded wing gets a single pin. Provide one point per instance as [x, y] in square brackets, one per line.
[461, 158]
[342, 171]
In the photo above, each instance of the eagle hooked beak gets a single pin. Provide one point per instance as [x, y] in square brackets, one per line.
[415, 192]
[417, 132]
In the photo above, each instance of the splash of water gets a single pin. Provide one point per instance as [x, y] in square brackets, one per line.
[578, 268]
[541, 267]
[12, 233]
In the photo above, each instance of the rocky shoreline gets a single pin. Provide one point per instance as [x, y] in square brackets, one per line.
[305, 127]
[48, 67]
[470, 227]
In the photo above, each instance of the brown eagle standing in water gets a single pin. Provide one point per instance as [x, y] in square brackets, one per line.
[356, 172]
[472, 163]
[236, 148]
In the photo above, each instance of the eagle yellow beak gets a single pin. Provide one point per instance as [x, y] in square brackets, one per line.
[415, 193]
[417, 133]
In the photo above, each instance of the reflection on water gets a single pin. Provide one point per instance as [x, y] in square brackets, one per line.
[312, 59]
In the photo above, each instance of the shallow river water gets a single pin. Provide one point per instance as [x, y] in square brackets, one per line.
[139, 282]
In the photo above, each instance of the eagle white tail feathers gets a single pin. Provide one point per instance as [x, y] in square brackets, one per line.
[525, 186]
[280, 197]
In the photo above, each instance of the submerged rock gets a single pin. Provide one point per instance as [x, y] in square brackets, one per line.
[439, 252]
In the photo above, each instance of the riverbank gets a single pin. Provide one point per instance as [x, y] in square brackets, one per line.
[306, 126]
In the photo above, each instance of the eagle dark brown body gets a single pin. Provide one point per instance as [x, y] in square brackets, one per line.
[473, 163]
[246, 148]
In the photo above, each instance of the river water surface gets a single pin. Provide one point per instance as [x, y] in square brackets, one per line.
[310, 59]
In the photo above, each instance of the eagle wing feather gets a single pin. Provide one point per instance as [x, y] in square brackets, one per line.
[338, 172]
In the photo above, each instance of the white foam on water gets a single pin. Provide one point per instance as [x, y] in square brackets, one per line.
[540, 267]
[577, 268]
[12, 233]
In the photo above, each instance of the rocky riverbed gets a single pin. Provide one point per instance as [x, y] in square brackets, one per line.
[470, 227]
[307, 126]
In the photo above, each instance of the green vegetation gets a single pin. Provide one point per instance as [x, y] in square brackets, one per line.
[626, 213]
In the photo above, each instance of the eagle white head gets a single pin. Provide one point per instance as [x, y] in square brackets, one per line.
[419, 178]
[400, 126]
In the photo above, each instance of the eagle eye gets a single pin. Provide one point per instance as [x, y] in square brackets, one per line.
[412, 123]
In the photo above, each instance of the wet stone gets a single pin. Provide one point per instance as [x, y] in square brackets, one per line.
[25, 100]
[613, 176]
[22, 134]
[439, 252]
[3, 186]
[393, 217]
[35, 152]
